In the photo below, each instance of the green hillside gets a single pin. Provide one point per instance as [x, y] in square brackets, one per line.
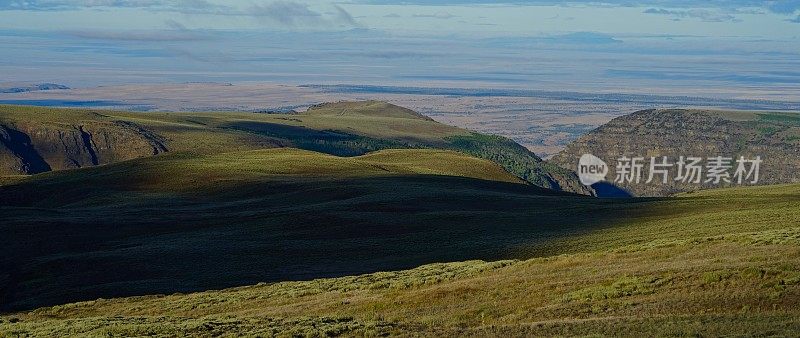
[35, 139]
[364, 109]
[190, 175]
[141, 226]
[364, 219]
[716, 263]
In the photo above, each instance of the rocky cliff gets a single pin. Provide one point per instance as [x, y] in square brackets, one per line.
[774, 137]
[30, 148]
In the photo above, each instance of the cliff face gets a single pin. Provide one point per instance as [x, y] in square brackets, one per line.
[775, 137]
[27, 148]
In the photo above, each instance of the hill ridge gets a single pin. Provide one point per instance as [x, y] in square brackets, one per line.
[368, 108]
[365, 127]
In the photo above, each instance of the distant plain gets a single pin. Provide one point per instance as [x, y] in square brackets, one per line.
[544, 122]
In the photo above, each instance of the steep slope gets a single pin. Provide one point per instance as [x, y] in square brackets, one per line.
[342, 129]
[714, 263]
[30, 148]
[775, 137]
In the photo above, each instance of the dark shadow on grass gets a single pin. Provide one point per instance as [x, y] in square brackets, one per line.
[325, 141]
[273, 231]
[22, 148]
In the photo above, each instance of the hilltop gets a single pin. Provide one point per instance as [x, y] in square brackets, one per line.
[716, 263]
[35, 139]
[364, 109]
[775, 137]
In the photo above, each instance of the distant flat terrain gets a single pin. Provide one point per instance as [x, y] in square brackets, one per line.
[543, 121]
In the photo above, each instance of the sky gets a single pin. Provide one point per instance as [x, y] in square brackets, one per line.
[614, 45]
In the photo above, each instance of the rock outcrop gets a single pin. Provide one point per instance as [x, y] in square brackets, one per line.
[28, 148]
[774, 137]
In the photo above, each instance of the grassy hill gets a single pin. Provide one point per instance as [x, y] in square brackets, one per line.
[189, 175]
[141, 226]
[773, 136]
[364, 109]
[365, 219]
[714, 263]
[35, 139]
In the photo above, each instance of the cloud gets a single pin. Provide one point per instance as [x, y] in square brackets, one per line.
[775, 6]
[795, 20]
[344, 17]
[175, 32]
[576, 38]
[784, 6]
[296, 14]
[182, 6]
[175, 25]
[288, 13]
[585, 38]
[437, 15]
[392, 15]
[702, 14]
[169, 35]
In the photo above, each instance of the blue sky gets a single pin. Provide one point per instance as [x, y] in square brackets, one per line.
[534, 43]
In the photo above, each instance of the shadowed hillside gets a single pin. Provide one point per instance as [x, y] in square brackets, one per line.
[38, 139]
[716, 263]
[322, 235]
[187, 222]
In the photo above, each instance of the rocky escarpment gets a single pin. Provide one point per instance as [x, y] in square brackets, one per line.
[774, 137]
[30, 148]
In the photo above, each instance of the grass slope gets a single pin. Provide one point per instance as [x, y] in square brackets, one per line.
[342, 129]
[707, 264]
[142, 226]
[364, 109]
[228, 175]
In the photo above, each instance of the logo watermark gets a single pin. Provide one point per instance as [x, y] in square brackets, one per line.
[591, 169]
[684, 169]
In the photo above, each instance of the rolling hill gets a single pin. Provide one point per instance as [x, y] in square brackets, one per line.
[367, 219]
[187, 222]
[715, 263]
[774, 137]
[35, 139]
